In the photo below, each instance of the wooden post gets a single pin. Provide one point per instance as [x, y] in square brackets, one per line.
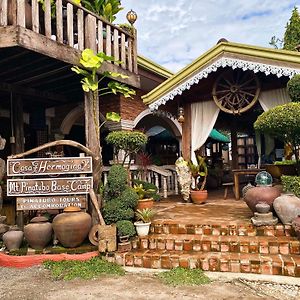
[18, 124]
[186, 132]
[92, 136]
[234, 151]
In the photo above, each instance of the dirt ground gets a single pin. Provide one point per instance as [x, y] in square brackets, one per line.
[36, 283]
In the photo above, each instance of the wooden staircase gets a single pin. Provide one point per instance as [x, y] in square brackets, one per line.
[271, 250]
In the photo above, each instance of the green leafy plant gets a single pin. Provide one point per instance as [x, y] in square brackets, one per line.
[70, 269]
[292, 32]
[285, 162]
[114, 211]
[129, 141]
[282, 122]
[142, 192]
[53, 7]
[199, 172]
[291, 184]
[145, 215]
[116, 181]
[125, 227]
[152, 190]
[181, 276]
[104, 8]
[293, 87]
[127, 27]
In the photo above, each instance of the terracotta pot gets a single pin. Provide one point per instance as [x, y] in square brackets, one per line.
[199, 197]
[296, 226]
[72, 226]
[38, 232]
[287, 207]
[145, 203]
[13, 239]
[258, 194]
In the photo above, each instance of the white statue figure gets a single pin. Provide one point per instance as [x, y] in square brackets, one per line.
[184, 177]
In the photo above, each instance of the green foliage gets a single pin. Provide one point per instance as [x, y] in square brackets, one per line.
[152, 190]
[127, 27]
[53, 7]
[275, 42]
[198, 171]
[285, 162]
[129, 198]
[145, 215]
[116, 180]
[142, 192]
[70, 269]
[291, 184]
[292, 32]
[293, 87]
[180, 276]
[104, 8]
[125, 227]
[282, 122]
[112, 116]
[114, 211]
[128, 141]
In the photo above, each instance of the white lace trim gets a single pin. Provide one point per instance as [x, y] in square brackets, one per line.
[224, 62]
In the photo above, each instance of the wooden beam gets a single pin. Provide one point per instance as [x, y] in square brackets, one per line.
[8, 37]
[234, 150]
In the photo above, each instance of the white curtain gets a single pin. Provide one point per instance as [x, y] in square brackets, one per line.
[203, 115]
[272, 98]
[268, 100]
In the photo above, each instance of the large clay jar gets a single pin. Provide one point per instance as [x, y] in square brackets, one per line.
[38, 232]
[296, 226]
[72, 226]
[287, 207]
[13, 239]
[199, 197]
[258, 194]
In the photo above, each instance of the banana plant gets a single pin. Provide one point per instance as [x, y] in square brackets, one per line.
[199, 171]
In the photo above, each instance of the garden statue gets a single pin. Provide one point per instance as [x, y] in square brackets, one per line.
[184, 177]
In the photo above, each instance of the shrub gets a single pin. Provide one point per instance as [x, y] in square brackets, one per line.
[148, 186]
[114, 211]
[116, 180]
[129, 198]
[285, 162]
[293, 87]
[125, 227]
[291, 184]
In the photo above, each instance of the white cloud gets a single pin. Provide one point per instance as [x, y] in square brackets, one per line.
[173, 33]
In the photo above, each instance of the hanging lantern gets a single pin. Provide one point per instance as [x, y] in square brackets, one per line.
[131, 17]
[180, 116]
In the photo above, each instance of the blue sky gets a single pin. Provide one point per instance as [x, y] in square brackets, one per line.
[175, 32]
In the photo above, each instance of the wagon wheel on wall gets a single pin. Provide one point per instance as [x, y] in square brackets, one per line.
[236, 91]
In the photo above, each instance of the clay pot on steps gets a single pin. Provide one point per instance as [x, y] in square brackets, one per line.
[266, 194]
[13, 239]
[38, 232]
[72, 226]
[145, 203]
[199, 197]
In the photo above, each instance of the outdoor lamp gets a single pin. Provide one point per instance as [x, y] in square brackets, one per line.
[131, 16]
[263, 179]
[180, 116]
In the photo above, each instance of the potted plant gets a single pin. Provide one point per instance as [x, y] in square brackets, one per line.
[143, 222]
[145, 199]
[199, 173]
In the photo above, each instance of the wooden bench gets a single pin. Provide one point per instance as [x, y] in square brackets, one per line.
[227, 185]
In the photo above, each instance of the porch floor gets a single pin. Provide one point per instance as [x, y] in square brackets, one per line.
[216, 210]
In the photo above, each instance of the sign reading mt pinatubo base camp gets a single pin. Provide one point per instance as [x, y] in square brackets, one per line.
[49, 166]
[44, 189]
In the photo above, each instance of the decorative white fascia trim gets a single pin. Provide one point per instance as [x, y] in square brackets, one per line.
[222, 63]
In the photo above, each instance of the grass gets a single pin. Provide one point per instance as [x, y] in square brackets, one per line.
[68, 270]
[181, 276]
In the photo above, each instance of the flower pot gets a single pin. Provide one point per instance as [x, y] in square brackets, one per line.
[38, 232]
[142, 229]
[72, 226]
[145, 203]
[13, 239]
[199, 197]
[258, 194]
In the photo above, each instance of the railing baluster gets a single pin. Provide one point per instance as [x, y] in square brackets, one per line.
[70, 28]
[3, 13]
[21, 13]
[80, 29]
[48, 18]
[129, 54]
[134, 53]
[100, 36]
[116, 45]
[35, 16]
[90, 32]
[108, 40]
[123, 51]
[59, 22]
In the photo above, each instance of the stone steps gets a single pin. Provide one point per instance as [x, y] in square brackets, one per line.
[218, 243]
[271, 264]
[171, 227]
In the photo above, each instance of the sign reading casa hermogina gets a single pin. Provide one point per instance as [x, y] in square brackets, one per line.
[43, 188]
[49, 166]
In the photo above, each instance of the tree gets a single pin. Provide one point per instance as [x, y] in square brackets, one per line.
[292, 33]
[293, 87]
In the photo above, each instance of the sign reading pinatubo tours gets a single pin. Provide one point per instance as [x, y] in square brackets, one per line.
[52, 192]
[49, 166]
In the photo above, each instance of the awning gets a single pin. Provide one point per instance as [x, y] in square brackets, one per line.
[217, 136]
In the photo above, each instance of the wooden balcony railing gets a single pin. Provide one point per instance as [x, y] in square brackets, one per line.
[71, 25]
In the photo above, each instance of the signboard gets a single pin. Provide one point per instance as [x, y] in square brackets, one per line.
[50, 202]
[49, 186]
[49, 166]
